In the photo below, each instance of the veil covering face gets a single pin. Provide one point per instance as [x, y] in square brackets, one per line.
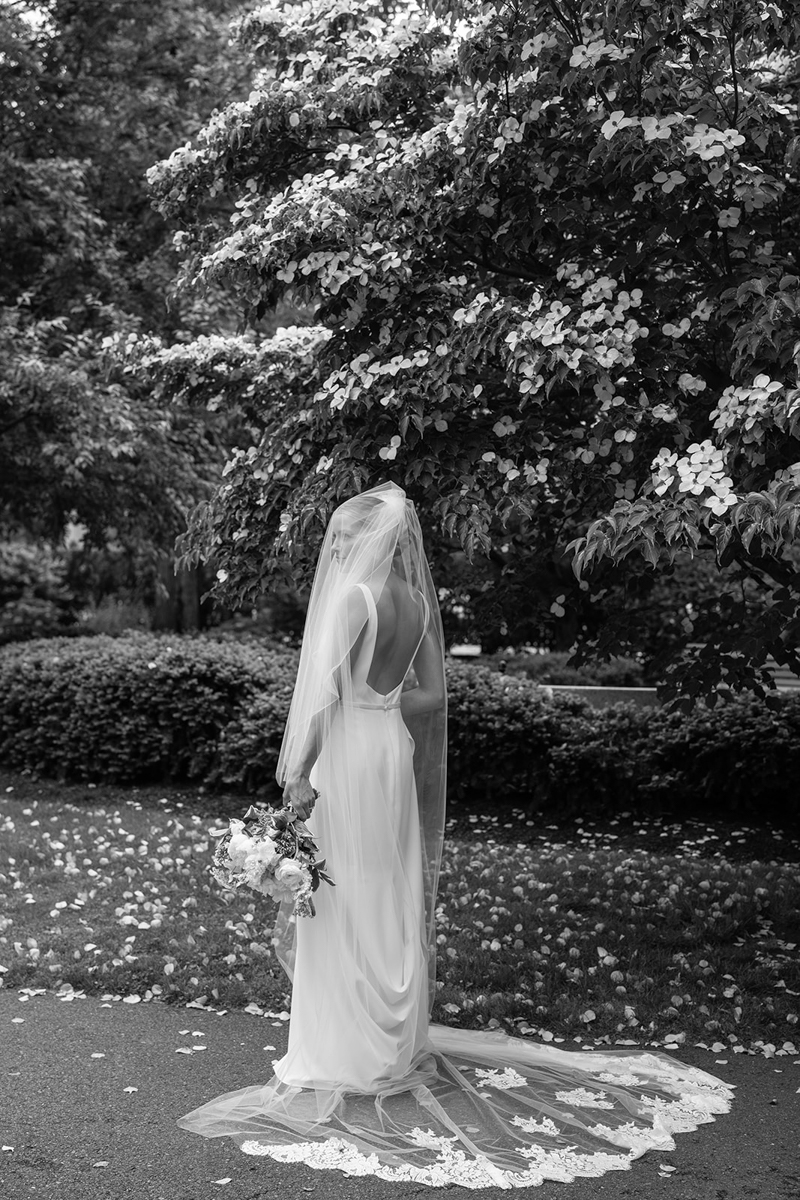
[368, 537]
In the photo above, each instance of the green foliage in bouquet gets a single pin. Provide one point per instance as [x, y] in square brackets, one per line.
[144, 708]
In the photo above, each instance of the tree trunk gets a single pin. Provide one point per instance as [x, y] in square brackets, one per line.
[177, 606]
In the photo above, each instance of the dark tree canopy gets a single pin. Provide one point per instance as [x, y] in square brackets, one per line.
[92, 94]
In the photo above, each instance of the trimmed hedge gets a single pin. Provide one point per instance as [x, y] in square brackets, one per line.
[137, 708]
[561, 755]
[149, 708]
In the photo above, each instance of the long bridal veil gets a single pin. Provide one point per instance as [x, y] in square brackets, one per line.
[368, 1084]
[369, 536]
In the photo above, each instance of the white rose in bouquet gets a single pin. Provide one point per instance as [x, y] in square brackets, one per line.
[267, 851]
[253, 869]
[291, 874]
[239, 847]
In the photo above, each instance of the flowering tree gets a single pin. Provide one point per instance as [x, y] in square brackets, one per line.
[550, 249]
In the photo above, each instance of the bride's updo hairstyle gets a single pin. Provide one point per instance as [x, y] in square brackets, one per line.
[369, 536]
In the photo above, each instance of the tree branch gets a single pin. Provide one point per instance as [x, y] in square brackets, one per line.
[12, 424]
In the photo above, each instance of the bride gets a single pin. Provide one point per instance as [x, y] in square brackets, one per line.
[368, 1085]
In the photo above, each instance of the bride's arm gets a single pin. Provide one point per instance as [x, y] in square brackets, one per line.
[312, 746]
[429, 695]
[298, 790]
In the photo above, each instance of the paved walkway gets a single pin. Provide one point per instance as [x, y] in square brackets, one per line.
[64, 1109]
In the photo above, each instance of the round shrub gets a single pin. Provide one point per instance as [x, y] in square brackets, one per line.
[138, 708]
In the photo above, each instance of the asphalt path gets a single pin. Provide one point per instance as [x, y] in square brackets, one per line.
[71, 1130]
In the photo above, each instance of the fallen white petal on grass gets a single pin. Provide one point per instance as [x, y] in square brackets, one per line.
[227, 1179]
[270, 1047]
[185, 1050]
[7, 1149]
[103, 1163]
[131, 999]
[666, 1169]
[130, 1089]
[98, 1055]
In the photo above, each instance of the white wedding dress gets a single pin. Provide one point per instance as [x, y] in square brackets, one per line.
[367, 1085]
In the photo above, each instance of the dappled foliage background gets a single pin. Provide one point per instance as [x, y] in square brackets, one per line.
[535, 263]
[92, 93]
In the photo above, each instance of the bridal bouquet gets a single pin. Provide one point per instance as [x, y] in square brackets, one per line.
[273, 852]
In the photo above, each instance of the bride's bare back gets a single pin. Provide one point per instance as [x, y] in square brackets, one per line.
[401, 618]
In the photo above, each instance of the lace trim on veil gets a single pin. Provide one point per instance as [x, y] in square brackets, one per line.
[695, 1099]
[564, 1165]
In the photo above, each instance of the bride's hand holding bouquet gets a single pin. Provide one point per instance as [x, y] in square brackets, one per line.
[300, 795]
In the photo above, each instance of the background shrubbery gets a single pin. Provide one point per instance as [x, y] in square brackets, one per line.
[36, 599]
[552, 668]
[138, 708]
[147, 708]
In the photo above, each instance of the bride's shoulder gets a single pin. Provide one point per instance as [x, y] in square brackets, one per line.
[354, 604]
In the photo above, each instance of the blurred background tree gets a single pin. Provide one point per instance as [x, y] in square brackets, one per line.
[92, 93]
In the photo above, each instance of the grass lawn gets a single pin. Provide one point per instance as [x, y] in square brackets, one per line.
[625, 930]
